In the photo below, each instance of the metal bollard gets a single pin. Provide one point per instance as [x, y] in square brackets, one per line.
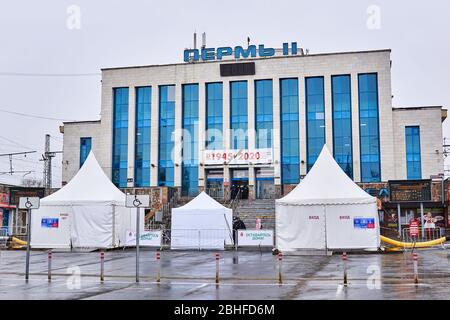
[217, 268]
[416, 267]
[102, 267]
[344, 259]
[280, 260]
[158, 262]
[49, 265]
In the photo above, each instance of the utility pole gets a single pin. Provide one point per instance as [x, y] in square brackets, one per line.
[47, 158]
[10, 156]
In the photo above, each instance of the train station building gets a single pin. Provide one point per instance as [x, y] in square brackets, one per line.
[253, 121]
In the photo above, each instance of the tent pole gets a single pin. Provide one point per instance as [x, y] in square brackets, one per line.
[113, 225]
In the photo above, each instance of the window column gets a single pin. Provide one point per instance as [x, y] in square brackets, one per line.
[120, 137]
[369, 127]
[413, 159]
[189, 180]
[143, 117]
[315, 119]
[166, 132]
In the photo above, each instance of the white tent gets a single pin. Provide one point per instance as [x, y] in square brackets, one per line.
[327, 210]
[203, 223]
[88, 212]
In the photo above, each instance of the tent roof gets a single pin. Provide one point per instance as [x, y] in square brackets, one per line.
[90, 184]
[202, 201]
[326, 183]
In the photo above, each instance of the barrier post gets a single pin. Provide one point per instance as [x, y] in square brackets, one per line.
[416, 267]
[217, 268]
[280, 260]
[102, 269]
[344, 259]
[49, 265]
[158, 265]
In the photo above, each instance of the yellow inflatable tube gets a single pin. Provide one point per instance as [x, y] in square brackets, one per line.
[423, 244]
[18, 241]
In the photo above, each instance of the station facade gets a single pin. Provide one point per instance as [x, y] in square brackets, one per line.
[255, 125]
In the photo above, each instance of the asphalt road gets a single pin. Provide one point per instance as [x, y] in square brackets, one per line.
[249, 275]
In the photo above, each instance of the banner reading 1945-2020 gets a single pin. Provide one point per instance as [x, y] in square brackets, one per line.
[244, 156]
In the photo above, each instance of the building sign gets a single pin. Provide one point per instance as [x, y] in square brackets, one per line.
[410, 190]
[17, 192]
[4, 199]
[257, 156]
[146, 239]
[255, 238]
[363, 223]
[238, 52]
[49, 223]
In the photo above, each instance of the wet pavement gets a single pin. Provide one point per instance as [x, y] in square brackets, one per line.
[243, 275]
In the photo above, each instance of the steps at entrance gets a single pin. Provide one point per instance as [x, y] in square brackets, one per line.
[250, 210]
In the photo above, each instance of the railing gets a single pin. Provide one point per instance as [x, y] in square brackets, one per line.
[427, 234]
[196, 239]
[216, 193]
[235, 201]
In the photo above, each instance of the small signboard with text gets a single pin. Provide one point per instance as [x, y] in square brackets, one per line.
[257, 156]
[146, 239]
[255, 238]
[363, 223]
[49, 223]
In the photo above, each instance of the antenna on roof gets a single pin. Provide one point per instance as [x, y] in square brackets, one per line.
[195, 40]
[203, 40]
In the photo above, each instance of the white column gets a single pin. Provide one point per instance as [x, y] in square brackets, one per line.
[251, 130]
[201, 133]
[177, 135]
[302, 123]
[131, 133]
[355, 128]
[154, 150]
[226, 127]
[328, 113]
[276, 133]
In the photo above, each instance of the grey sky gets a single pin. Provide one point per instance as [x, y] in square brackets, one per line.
[35, 39]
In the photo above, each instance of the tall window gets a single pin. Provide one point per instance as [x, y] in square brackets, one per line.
[369, 128]
[189, 184]
[315, 119]
[413, 162]
[239, 115]
[214, 116]
[120, 137]
[264, 113]
[166, 130]
[290, 156]
[85, 148]
[342, 123]
[142, 137]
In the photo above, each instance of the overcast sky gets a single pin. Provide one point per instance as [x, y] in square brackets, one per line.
[41, 38]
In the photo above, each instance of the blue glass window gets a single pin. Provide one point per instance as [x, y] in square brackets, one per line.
[166, 130]
[189, 183]
[120, 137]
[142, 137]
[85, 148]
[413, 162]
[239, 115]
[214, 116]
[342, 122]
[369, 127]
[290, 155]
[315, 119]
[263, 113]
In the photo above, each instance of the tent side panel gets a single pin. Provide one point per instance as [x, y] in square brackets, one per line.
[92, 226]
[126, 218]
[50, 227]
[300, 227]
[350, 227]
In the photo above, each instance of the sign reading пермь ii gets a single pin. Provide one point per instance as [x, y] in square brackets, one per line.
[252, 51]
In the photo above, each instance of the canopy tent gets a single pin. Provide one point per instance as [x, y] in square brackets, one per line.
[88, 212]
[203, 223]
[327, 210]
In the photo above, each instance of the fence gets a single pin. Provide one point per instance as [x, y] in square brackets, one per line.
[427, 235]
[196, 238]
